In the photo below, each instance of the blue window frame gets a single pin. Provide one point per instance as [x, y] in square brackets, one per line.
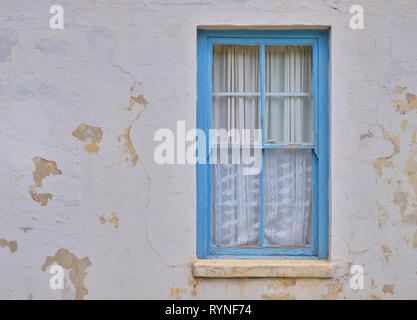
[318, 40]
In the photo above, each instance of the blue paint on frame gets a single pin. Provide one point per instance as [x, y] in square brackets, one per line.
[318, 39]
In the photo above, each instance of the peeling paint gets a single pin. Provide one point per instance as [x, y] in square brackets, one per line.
[399, 90]
[43, 168]
[42, 198]
[400, 199]
[113, 220]
[128, 147]
[388, 288]
[387, 253]
[386, 161]
[25, 229]
[177, 292]
[70, 261]
[281, 283]
[382, 216]
[85, 132]
[11, 244]
[137, 102]
[285, 296]
[404, 124]
[411, 171]
[404, 104]
[193, 283]
[335, 288]
[415, 240]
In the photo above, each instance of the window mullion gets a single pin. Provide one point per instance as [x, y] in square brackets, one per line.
[262, 89]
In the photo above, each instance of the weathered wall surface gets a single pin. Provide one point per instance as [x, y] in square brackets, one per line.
[79, 185]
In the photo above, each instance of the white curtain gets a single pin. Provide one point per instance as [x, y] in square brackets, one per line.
[287, 197]
[236, 205]
[287, 173]
[288, 70]
[236, 69]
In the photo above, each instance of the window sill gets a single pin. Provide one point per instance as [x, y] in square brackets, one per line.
[219, 268]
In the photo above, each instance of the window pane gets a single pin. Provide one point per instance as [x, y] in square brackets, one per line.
[236, 203]
[289, 119]
[236, 70]
[287, 197]
[237, 113]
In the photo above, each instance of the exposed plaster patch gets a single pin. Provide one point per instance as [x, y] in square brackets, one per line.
[399, 90]
[388, 288]
[113, 220]
[404, 124]
[128, 147]
[404, 103]
[411, 171]
[42, 198]
[43, 168]
[281, 283]
[94, 134]
[70, 261]
[137, 102]
[285, 296]
[387, 253]
[382, 216]
[177, 292]
[386, 161]
[401, 199]
[374, 297]
[415, 240]
[193, 283]
[335, 288]
[11, 244]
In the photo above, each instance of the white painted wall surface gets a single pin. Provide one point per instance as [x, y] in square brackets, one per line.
[51, 81]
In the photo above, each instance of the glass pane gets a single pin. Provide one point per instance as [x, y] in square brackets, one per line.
[288, 94]
[236, 68]
[287, 197]
[289, 120]
[237, 113]
[235, 203]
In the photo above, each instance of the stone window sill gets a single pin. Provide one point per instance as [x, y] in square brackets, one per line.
[219, 268]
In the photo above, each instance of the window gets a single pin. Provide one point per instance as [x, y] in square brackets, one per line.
[274, 85]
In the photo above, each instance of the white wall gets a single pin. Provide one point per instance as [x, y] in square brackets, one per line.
[51, 81]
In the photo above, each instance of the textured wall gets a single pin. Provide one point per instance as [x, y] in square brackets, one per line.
[79, 185]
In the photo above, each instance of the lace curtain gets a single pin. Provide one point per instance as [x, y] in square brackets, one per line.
[236, 199]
